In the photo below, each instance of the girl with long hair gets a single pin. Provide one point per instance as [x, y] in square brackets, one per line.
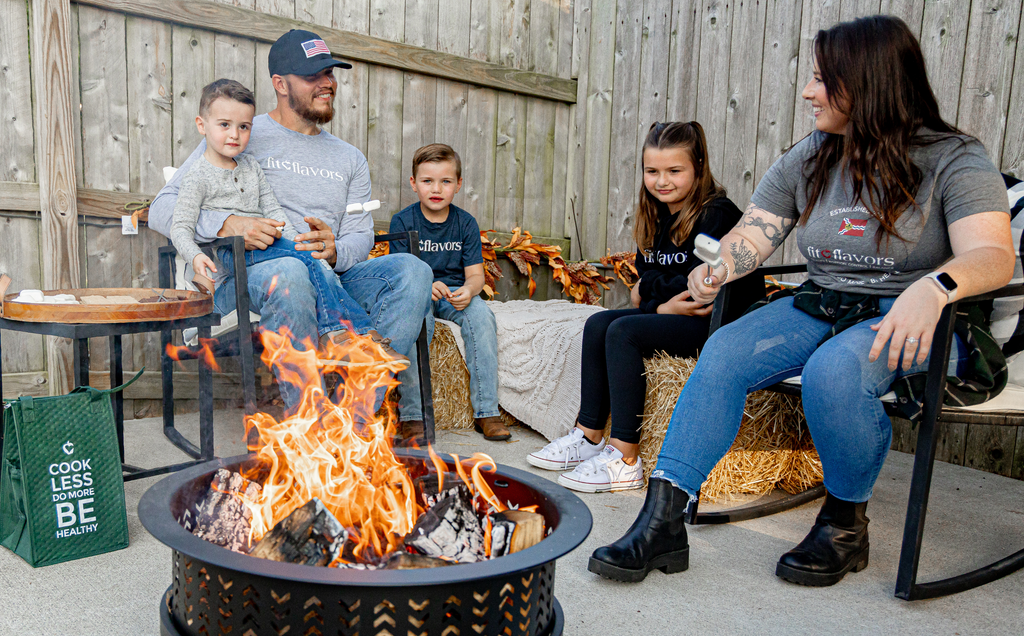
[679, 198]
[897, 213]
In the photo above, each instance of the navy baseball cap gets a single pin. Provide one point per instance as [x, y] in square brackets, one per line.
[301, 53]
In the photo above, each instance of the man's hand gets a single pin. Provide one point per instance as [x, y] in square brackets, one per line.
[258, 233]
[634, 296]
[461, 298]
[681, 305]
[319, 240]
[203, 265]
[439, 290]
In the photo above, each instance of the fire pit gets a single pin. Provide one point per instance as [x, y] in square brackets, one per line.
[217, 591]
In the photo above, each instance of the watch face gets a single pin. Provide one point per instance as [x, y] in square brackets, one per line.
[947, 281]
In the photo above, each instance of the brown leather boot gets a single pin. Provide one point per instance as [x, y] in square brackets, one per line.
[408, 433]
[493, 428]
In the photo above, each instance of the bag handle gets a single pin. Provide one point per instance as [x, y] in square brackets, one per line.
[98, 393]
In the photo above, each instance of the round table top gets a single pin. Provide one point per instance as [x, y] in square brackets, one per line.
[111, 305]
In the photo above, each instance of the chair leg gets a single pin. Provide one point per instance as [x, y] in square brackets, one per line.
[756, 511]
[206, 401]
[245, 350]
[426, 392]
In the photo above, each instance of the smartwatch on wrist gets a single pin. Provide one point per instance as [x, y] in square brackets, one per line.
[945, 283]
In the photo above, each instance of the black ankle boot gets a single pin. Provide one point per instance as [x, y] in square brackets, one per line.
[836, 544]
[656, 540]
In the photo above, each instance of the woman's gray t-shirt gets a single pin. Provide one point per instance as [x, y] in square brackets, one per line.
[838, 240]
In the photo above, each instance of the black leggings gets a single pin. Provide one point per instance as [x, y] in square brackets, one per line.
[615, 343]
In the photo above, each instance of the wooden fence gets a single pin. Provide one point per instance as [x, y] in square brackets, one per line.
[548, 101]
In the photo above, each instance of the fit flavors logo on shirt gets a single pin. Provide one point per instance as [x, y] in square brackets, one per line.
[270, 163]
[426, 245]
[816, 254]
[661, 258]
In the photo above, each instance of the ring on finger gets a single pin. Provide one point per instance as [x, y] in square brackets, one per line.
[911, 340]
[323, 245]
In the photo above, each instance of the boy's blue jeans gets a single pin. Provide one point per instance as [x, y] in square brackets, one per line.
[333, 304]
[480, 335]
[850, 429]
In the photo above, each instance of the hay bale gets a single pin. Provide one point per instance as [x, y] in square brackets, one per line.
[773, 447]
[449, 380]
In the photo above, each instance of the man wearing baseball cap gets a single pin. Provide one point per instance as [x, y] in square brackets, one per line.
[315, 176]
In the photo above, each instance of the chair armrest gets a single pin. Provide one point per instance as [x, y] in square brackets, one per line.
[409, 235]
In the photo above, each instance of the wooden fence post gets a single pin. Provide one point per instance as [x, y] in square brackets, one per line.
[55, 165]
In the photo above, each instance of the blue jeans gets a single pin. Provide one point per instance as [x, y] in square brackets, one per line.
[848, 424]
[334, 305]
[480, 335]
[394, 290]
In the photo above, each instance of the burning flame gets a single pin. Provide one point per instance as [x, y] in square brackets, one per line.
[338, 448]
[204, 352]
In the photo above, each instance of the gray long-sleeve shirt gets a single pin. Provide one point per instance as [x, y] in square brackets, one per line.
[243, 191]
[312, 175]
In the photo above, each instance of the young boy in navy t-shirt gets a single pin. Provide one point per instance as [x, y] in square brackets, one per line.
[450, 244]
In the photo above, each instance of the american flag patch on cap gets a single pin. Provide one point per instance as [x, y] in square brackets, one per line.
[315, 47]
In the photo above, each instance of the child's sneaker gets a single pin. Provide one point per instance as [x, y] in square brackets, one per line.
[565, 452]
[605, 473]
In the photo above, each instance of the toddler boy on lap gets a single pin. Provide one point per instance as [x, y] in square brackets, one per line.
[450, 244]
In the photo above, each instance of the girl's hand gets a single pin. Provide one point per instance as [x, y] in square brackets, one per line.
[203, 265]
[634, 295]
[681, 305]
[909, 325]
[699, 290]
[439, 290]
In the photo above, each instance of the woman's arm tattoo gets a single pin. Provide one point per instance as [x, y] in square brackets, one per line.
[743, 257]
[776, 233]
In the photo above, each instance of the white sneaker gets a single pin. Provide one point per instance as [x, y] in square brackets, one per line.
[565, 452]
[605, 473]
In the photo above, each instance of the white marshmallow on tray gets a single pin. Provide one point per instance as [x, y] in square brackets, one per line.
[36, 296]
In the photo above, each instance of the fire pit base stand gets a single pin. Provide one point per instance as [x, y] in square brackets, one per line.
[167, 627]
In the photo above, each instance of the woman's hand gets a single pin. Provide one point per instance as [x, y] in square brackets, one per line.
[699, 290]
[909, 325]
[634, 295]
[319, 240]
[681, 305]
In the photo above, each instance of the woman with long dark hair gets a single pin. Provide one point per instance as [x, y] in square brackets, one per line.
[679, 198]
[897, 213]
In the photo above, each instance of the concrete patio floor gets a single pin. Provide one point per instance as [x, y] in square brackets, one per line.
[730, 587]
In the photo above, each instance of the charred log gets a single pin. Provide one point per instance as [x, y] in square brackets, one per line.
[310, 535]
[450, 528]
[222, 517]
[407, 561]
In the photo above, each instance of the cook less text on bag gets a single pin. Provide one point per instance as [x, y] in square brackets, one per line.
[61, 487]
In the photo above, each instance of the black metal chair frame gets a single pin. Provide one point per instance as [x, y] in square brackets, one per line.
[240, 343]
[907, 587]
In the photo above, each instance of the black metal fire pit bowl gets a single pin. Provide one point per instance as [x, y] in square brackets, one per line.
[217, 591]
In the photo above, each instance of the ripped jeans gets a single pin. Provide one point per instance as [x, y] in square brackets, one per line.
[848, 424]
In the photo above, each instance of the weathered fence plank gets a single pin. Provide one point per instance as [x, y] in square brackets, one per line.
[741, 118]
[943, 37]
[684, 53]
[20, 259]
[18, 163]
[713, 77]
[419, 95]
[988, 71]
[55, 169]
[384, 118]
[596, 133]
[353, 90]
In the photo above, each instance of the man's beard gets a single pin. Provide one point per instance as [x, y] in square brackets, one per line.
[307, 112]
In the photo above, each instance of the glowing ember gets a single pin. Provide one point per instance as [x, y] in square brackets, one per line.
[338, 450]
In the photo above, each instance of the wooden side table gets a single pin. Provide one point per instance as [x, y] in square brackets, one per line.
[81, 332]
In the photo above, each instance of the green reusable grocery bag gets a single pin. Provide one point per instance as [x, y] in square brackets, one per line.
[61, 487]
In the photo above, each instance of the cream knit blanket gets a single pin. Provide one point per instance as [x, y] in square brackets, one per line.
[539, 356]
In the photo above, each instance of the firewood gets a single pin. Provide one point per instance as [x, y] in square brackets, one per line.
[514, 531]
[450, 528]
[309, 535]
[222, 517]
[426, 488]
[407, 561]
